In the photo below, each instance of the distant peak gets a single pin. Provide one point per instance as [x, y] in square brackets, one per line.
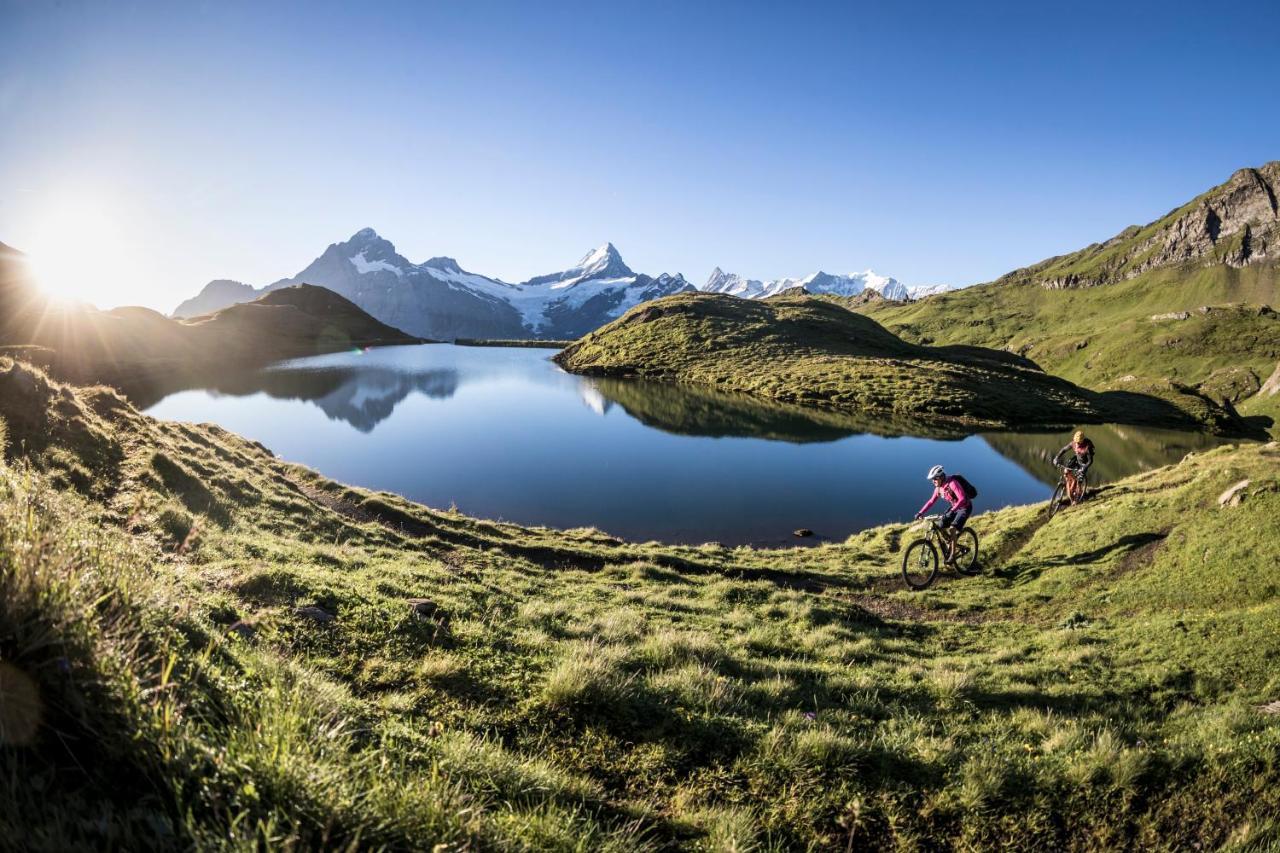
[600, 254]
[603, 262]
[443, 262]
[365, 234]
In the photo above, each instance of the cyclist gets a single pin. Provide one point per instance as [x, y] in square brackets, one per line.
[953, 489]
[1081, 449]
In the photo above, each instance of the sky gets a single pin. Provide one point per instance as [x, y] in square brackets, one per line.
[147, 148]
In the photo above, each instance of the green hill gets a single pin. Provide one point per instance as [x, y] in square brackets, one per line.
[816, 352]
[1187, 298]
[204, 647]
[136, 348]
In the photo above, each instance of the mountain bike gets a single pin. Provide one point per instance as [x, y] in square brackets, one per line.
[1073, 487]
[920, 560]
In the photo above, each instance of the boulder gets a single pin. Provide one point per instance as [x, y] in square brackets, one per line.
[1272, 386]
[1172, 315]
[314, 613]
[1234, 495]
[244, 630]
[425, 608]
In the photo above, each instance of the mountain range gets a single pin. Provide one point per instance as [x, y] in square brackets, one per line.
[439, 299]
[819, 282]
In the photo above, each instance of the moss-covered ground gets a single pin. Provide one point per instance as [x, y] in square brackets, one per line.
[202, 646]
[814, 351]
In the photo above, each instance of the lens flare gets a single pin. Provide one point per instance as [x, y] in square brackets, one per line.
[77, 253]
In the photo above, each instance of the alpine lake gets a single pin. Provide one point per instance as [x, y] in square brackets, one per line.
[503, 433]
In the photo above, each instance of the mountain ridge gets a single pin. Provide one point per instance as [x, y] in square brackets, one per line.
[133, 347]
[441, 300]
[1236, 223]
[1187, 298]
[819, 282]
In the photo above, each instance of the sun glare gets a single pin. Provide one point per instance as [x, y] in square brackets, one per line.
[77, 253]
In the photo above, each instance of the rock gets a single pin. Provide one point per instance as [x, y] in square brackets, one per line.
[425, 608]
[244, 630]
[1172, 315]
[315, 614]
[1234, 495]
[803, 532]
[1230, 384]
[1265, 311]
[1272, 386]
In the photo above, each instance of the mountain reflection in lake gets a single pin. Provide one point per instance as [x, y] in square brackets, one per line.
[503, 433]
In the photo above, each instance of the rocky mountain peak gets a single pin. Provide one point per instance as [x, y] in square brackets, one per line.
[603, 262]
[443, 262]
[1237, 223]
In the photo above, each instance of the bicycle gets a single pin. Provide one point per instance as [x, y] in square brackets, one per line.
[920, 560]
[1072, 486]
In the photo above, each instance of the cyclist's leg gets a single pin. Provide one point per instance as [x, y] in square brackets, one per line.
[949, 532]
[1073, 483]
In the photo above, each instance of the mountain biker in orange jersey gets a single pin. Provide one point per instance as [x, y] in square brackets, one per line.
[953, 490]
[1079, 463]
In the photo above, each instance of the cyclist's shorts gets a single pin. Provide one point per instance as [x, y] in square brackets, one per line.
[956, 518]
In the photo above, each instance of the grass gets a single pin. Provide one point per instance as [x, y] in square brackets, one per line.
[1098, 686]
[1096, 336]
[815, 352]
[1158, 308]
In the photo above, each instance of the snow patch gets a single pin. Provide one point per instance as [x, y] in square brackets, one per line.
[364, 266]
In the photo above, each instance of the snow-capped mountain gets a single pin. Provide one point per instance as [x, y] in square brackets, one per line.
[920, 291]
[438, 299]
[818, 282]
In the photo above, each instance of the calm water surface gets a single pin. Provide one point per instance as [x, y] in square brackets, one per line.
[505, 434]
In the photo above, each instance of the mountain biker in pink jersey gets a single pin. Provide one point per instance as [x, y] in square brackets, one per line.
[952, 490]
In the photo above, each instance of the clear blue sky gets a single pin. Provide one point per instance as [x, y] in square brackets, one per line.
[935, 143]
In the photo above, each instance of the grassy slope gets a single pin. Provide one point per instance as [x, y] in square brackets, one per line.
[1095, 336]
[815, 351]
[1244, 207]
[1097, 688]
[1099, 331]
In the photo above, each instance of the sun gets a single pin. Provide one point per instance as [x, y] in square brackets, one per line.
[77, 252]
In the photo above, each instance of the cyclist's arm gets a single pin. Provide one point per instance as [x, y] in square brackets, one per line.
[932, 500]
[1057, 457]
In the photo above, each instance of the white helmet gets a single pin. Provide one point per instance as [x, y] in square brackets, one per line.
[935, 471]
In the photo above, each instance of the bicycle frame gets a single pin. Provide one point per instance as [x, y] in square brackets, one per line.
[1073, 482]
[935, 529]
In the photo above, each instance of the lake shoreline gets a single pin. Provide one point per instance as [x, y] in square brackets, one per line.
[503, 433]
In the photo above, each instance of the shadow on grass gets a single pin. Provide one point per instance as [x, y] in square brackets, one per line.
[1124, 546]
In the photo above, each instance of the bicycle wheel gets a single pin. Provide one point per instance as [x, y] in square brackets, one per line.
[920, 564]
[967, 552]
[1059, 495]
